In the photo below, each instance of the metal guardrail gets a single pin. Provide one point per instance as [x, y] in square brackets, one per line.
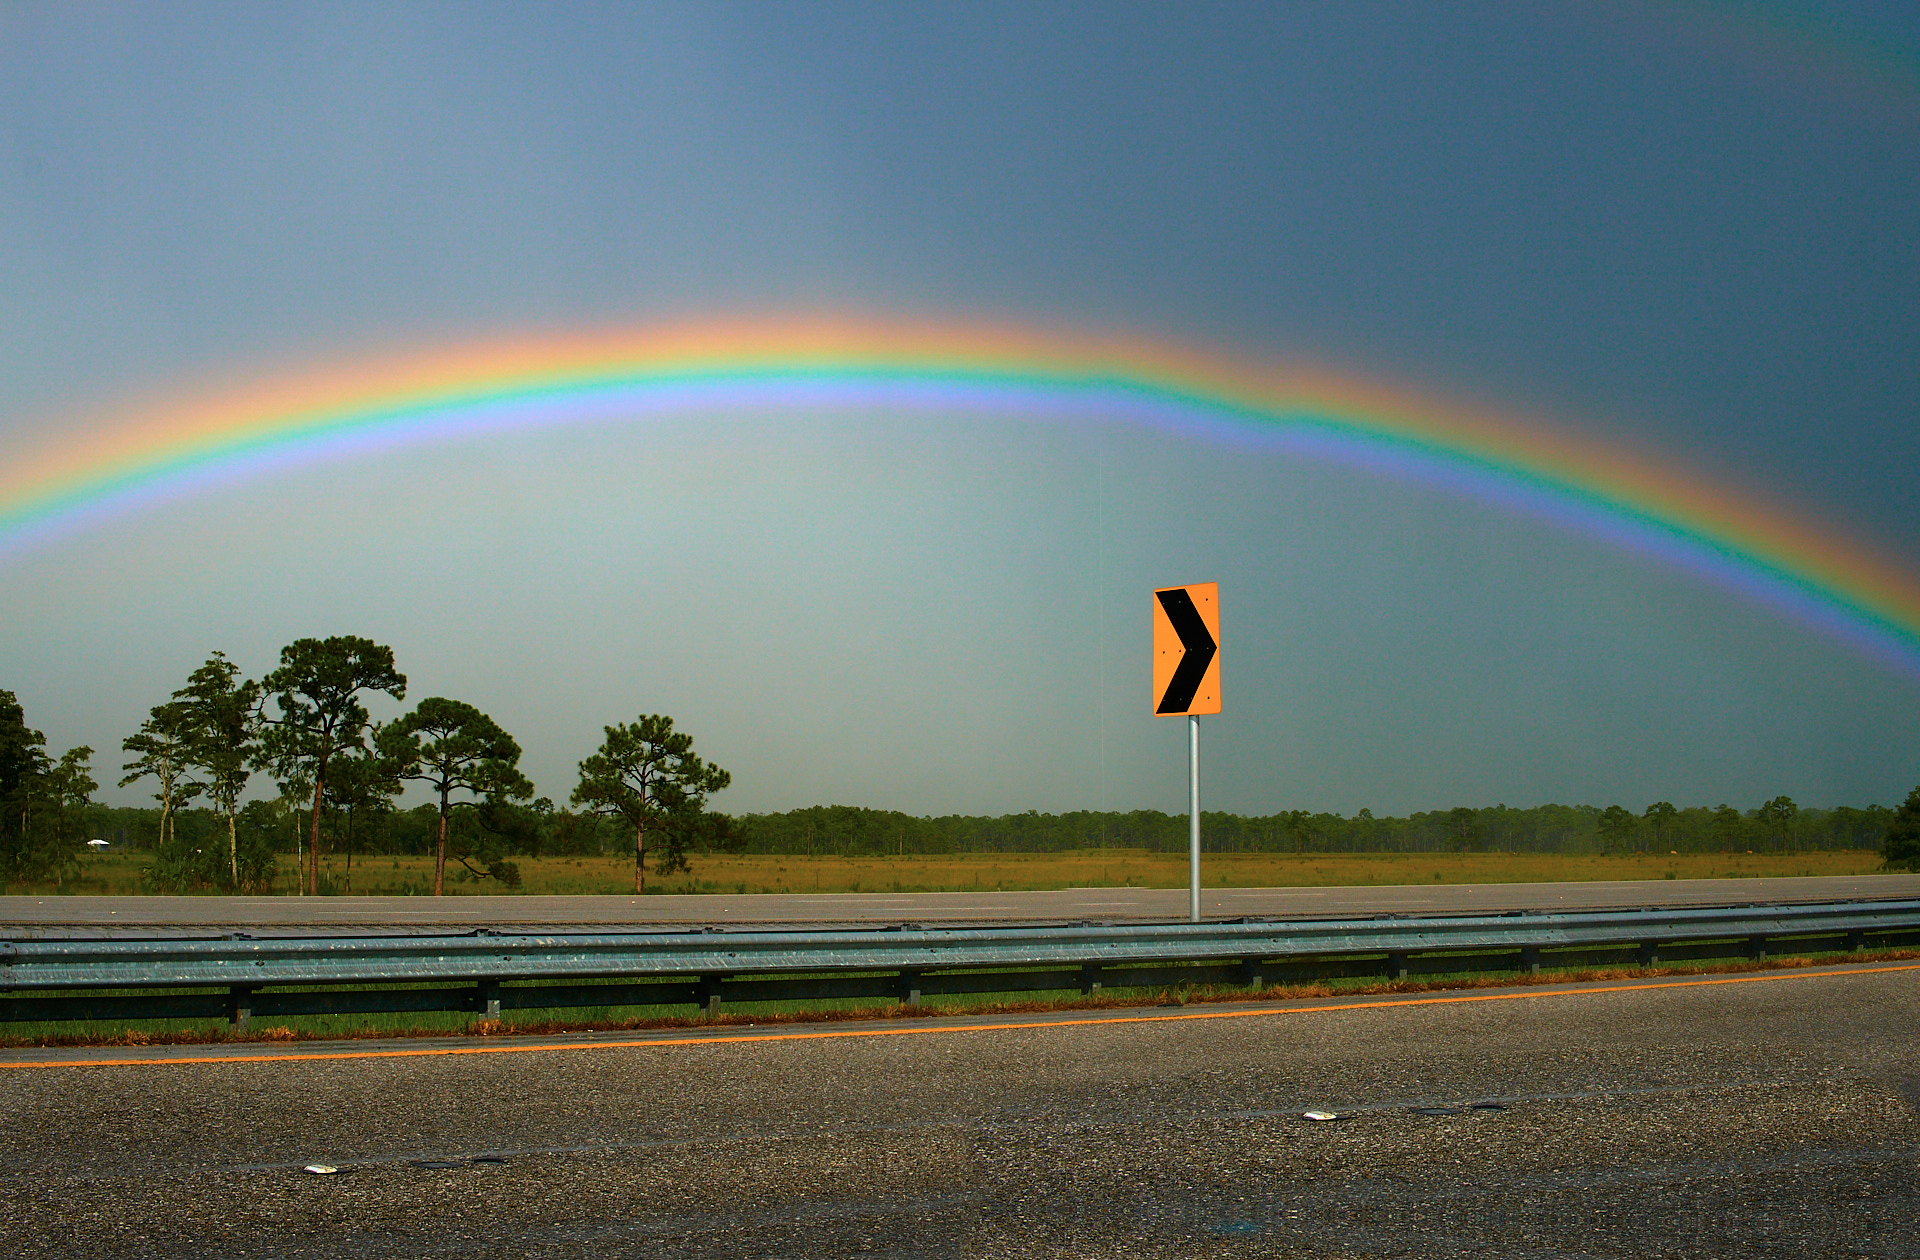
[485, 972]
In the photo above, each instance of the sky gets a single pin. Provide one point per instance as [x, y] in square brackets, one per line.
[1689, 233]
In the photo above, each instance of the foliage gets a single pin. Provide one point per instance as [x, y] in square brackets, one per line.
[359, 796]
[222, 720]
[160, 751]
[70, 788]
[1464, 832]
[1776, 818]
[1729, 827]
[273, 823]
[1659, 818]
[481, 836]
[1902, 846]
[647, 774]
[316, 689]
[563, 832]
[852, 831]
[42, 802]
[196, 857]
[1616, 827]
[23, 759]
[65, 793]
[1298, 825]
[453, 747]
[849, 831]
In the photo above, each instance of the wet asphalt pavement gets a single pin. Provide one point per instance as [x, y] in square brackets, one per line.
[1779, 1117]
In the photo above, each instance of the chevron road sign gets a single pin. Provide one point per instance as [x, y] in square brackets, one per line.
[1186, 649]
[1186, 683]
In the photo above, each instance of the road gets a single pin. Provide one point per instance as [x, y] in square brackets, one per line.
[1772, 1115]
[27, 917]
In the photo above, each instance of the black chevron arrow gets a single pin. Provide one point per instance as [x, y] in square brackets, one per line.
[1198, 646]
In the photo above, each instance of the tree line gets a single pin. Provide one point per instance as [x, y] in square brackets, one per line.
[304, 724]
[337, 775]
[1774, 826]
[851, 831]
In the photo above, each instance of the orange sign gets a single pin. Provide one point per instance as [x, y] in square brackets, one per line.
[1186, 649]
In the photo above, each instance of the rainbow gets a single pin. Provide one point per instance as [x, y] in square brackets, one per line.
[1802, 572]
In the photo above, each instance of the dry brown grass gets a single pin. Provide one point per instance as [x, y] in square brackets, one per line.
[1120, 868]
[119, 873]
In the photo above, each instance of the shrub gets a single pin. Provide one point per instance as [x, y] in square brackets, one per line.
[1901, 849]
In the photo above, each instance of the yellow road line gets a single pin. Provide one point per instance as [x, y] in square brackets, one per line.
[697, 1039]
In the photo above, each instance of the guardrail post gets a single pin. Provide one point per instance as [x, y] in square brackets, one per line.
[1649, 953]
[1530, 960]
[1250, 974]
[1757, 948]
[1856, 941]
[488, 1000]
[707, 994]
[909, 988]
[1397, 965]
[239, 1008]
[1089, 979]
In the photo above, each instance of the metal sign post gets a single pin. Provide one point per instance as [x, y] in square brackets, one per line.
[1193, 816]
[1186, 681]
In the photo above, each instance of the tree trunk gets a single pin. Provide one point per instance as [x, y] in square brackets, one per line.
[440, 857]
[640, 857]
[233, 850]
[313, 840]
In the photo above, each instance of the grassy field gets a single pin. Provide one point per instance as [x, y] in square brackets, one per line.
[120, 873]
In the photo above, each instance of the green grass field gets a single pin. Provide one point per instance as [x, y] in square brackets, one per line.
[120, 873]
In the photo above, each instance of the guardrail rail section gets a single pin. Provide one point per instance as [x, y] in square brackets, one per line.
[485, 972]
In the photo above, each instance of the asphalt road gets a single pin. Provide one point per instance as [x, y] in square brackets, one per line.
[25, 917]
[1775, 1116]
